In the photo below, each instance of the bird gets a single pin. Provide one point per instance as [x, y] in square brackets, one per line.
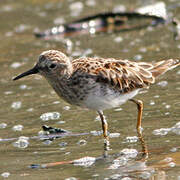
[98, 83]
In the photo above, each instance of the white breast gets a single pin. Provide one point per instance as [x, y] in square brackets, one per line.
[98, 101]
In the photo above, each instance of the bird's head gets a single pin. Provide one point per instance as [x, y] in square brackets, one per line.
[50, 63]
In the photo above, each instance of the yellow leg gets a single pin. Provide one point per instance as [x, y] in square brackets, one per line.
[105, 129]
[139, 104]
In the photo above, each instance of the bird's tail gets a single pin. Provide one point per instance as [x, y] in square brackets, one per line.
[163, 66]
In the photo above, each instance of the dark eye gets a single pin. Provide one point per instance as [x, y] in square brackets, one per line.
[52, 66]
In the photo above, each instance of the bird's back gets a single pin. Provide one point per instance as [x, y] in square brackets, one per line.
[124, 75]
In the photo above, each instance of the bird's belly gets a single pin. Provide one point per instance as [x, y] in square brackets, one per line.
[107, 101]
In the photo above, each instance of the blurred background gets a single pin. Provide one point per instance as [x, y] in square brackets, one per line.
[24, 102]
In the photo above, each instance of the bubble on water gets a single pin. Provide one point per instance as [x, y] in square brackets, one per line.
[176, 128]
[5, 174]
[82, 142]
[162, 83]
[145, 175]
[178, 72]
[23, 86]
[21, 28]
[90, 2]
[59, 20]
[167, 106]
[71, 178]
[66, 108]
[76, 53]
[3, 125]
[85, 161]
[121, 161]
[16, 105]
[152, 103]
[47, 142]
[131, 139]
[61, 122]
[143, 49]
[118, 109]
[96, 133]
[174, 149]
[18, 127]
[172, 164]
[97, 118]
[119, 8]
[86, 52]
[9, 34]
[161, 131]
[126, 178]
[50, 116]
[8, 92]
[30, 110]
[114, 135]
[116, 176]
[129, 153]
[22, 142]
[118, 39]
[62, 144]
[56, 102]
[16, 65]
[137, 57]
[76, 8]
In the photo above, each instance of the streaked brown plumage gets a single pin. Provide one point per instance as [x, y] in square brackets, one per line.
[98, 83]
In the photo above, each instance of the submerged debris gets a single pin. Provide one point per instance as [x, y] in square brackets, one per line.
[111, 22]
[51, 130]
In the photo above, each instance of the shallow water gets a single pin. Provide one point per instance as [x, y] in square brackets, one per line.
[24, 101]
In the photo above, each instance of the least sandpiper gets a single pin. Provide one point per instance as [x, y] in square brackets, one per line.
[98, 83]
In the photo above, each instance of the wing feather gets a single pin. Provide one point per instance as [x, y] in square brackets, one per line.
[122, 74]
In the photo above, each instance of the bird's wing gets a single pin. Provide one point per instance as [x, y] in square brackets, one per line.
[122, 74]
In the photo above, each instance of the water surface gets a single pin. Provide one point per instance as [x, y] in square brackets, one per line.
[24, 101]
